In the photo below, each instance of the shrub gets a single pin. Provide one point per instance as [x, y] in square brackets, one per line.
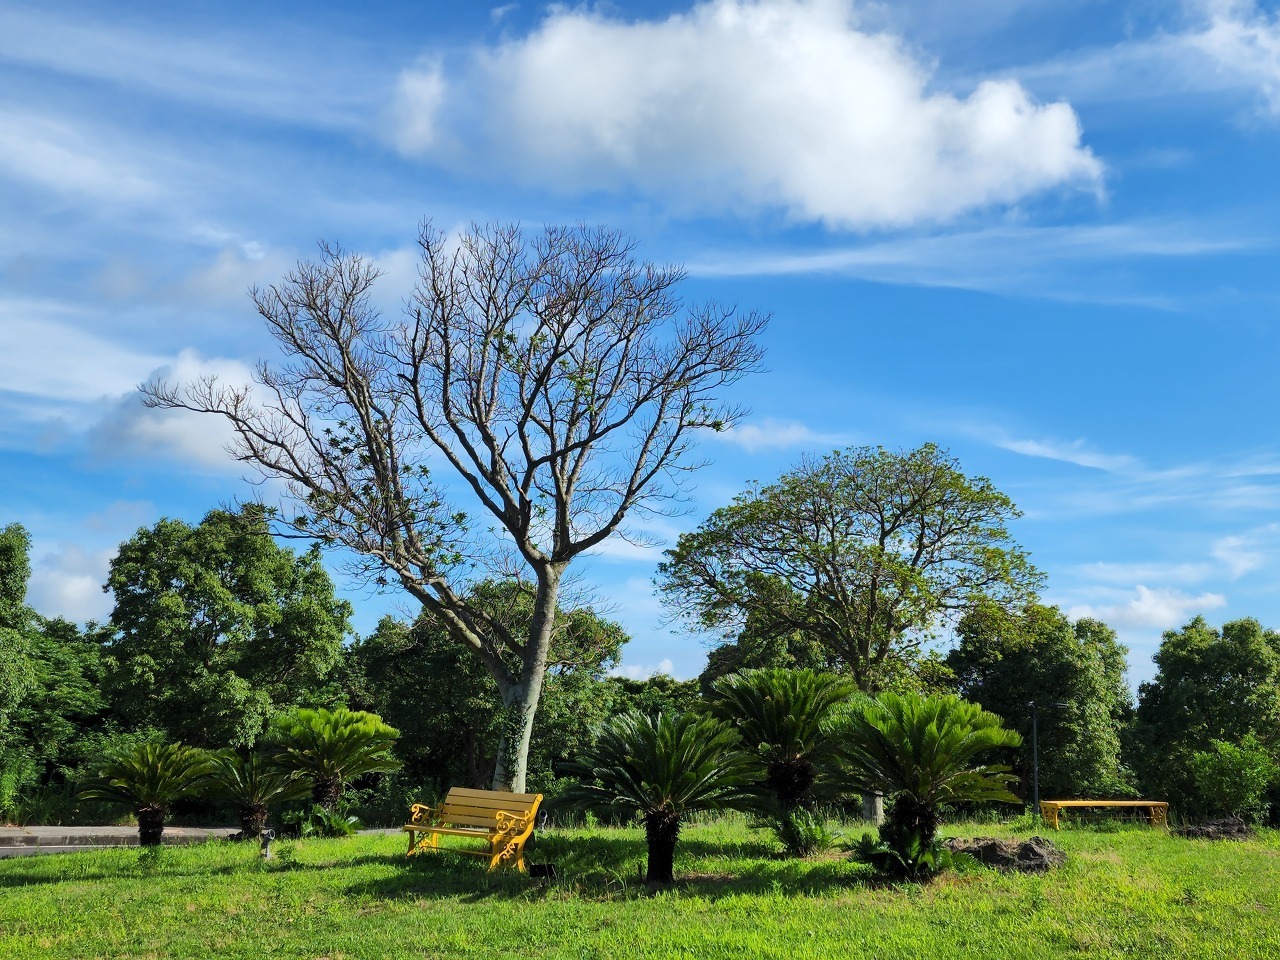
[1234, 778]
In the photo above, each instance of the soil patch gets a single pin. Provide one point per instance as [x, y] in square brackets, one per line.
[1036, 855]
[1229, 828]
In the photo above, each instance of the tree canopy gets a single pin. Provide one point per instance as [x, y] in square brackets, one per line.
[863, 551]
[1006, 659]
[1210, 685]
[218, 626]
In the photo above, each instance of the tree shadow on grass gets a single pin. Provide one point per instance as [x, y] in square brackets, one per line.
[45, 874]
[601, 867]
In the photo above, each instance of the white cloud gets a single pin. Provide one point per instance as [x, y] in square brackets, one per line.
[1030, 261]
[776, 104]
[1128, 573]
[1075, 452]
[770, 434]
[1243, 42]
[66, 160]
[1159, 609]
[128, 429]
[46, 352]
[1246, 552]
[67, 582]
[644, 671]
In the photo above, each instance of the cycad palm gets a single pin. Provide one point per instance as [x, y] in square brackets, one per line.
[330, 748]
[253, 782]
[782, 716]
[662, 769]
[923, 753]
[150, 778]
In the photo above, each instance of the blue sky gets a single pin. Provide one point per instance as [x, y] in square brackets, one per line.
[1041, 234]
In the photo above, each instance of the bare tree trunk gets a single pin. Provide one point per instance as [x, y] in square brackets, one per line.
[520, 701]
[873, 808]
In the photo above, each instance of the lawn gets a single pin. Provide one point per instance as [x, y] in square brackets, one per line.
[1131, 892]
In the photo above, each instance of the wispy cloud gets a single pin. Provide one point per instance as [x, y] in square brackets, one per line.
[706, 107]
[772, 434]
[1020, 259]
[67, 580]
[309, 79]
[1076, 452]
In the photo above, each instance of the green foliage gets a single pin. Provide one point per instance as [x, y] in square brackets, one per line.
[252, 782]
[1234, 778]
[803, 832]
[447, 704]
[150, 778]
[330, 748]
[783, 718]
[1006, 659]
[661, 768]
[316, 821]
[923, 753]
[1210, 685]
[16, 669]
[862, 551]
[219, 627]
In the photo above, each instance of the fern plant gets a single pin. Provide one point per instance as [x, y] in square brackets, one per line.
[330, 748]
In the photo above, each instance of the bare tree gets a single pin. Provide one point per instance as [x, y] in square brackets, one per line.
[559, 378]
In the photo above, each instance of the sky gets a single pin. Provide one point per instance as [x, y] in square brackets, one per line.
[1042, 235]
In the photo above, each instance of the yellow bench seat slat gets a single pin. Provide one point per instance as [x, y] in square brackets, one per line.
[1159, 815]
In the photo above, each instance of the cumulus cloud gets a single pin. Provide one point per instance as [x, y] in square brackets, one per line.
[127, 428]
[644, 671]
[67, 582]
[744, 104]
[1159, 609]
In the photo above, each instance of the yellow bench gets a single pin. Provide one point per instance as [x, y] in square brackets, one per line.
[505, 820]
[1159, 816]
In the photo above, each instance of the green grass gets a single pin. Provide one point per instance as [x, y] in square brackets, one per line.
[1132, 892]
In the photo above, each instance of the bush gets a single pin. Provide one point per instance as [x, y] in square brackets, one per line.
[1233, 779]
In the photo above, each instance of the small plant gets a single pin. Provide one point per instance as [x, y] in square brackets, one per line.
[804, 832]
[316, 821]
[252, 783]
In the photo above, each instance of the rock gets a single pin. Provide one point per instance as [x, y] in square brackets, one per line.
[1228, 828]
[1036, 855]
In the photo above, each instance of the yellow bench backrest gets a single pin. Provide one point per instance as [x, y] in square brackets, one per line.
[480, 808]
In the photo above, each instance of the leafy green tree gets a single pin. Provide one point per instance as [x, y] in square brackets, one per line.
[558, 378]
[783, 717]
[1234, 778]
[253, 782]
[923, 753]
[16, 669]
[662, 769]
[1004, 660]
[751, 650]
[330, 748]
[150, 778]
[864, 551]
[448, 706]
[219, 627]
[1209, 685]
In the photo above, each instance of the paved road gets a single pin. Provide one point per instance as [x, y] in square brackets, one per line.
[27, 841]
